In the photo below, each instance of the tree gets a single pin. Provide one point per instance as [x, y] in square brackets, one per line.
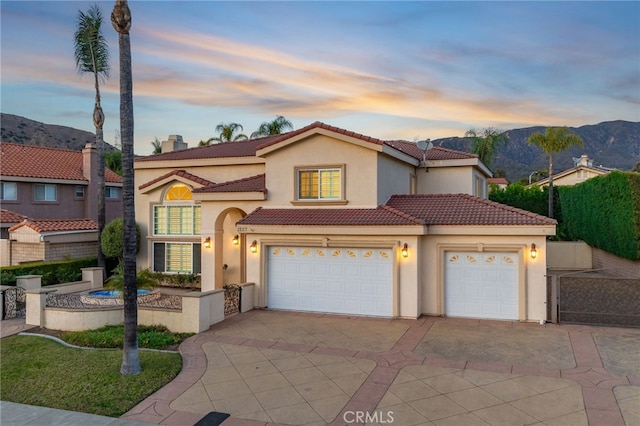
[227, 133]
[121, 21]
[92, 55]
[113, 161]
[554, 139]
[275, 127]
[485, 143]
[637, 167]
[113, 239]
[157, 146]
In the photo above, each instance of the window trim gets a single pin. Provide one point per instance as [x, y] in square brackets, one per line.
[194, 256]
[75, 192]
[45, 185]
[15, 184]
[109, 189]
[193, 208]
[319, 201]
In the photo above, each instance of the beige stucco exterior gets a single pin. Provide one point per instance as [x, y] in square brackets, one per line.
[371, 174]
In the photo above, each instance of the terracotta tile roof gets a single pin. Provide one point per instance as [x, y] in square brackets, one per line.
[498, 181]
[181, 173]
[7, 216]
[435, 153]
[57, 225]
[45, 163]
[463, 209]
[249, 184]
[320, 125]
[248, 148]
[220, 150]
[382, 216]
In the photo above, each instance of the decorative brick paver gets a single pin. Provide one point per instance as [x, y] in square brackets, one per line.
[288, 380]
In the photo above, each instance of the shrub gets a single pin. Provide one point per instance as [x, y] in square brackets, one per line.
[52, 272]
[112, 241]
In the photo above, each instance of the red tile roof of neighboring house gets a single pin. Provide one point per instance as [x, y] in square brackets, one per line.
[7, 216]
[57, 225]
[382, 216]
[498, 181]
[249, 147]
[249, 184]
[463, 209]
[45, 163]
[181, 173]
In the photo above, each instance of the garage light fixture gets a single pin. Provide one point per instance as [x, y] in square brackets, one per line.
[236, 240]
[254, 246]
[405, 250]
[534, 251]
[207, 243]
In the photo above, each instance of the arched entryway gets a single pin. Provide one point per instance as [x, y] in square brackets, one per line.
[229, 258]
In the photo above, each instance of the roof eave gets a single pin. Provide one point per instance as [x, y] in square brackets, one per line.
[501, 230]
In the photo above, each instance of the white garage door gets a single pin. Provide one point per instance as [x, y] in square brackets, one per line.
[481, 285]
[333, 280]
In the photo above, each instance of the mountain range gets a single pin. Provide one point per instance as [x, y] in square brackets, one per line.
[611, 144]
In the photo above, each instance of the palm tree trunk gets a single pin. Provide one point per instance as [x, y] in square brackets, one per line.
[98, 121]
[550, 185]
[121, 20]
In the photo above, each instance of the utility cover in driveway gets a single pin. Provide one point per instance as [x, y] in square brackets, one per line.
[481, 285]
[333, 280]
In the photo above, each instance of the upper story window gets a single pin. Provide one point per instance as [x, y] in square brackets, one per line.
[320, 183]
[79, 191]
[112, 192]
[45, 192]
[177, 215]
[9, 191]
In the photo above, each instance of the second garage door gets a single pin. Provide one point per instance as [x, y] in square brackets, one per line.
[333, 280]
[481, 285]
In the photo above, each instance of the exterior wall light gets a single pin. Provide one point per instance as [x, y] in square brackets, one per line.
[534, 251]
[207, 243]
[254, 246]
[405, 250]
[236, 240]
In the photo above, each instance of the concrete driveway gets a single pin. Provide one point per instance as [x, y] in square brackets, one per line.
[270, 367]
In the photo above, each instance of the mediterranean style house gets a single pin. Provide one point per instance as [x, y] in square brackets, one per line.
[49, 196]
[582, 170]
[322, 219]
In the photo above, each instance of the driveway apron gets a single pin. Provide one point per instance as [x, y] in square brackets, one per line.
[270, 367]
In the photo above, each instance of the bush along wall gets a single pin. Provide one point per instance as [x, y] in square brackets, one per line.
[533, 199]
[52, 272]
[604, 212]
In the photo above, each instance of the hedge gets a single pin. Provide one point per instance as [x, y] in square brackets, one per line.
[533, 199]
[52, 272]
[604, 212]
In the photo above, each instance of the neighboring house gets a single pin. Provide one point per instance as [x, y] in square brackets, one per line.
[51, 240]
[498, 182]
[322, 219]
[582, 170]
[7, 220]
[44, 183]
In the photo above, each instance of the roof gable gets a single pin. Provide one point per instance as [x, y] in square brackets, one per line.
[175, 175]
[26, 161]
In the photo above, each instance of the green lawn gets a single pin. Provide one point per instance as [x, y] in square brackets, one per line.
[39, 371]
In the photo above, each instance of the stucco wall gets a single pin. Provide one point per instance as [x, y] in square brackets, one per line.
[532, 270]
[394, 177]
[568, 255]
[319, 151]
[445, 180]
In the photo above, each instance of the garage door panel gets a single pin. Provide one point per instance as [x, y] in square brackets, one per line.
[350, 281]
[481, 285]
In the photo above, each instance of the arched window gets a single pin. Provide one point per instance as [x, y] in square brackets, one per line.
[178, 192]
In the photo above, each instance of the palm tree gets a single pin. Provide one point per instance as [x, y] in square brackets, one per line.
[486, 142]
[554, 139]
[275, 127]
[113, 161]
[121, 20]
[157, 146]
[92, 55]
[227, 133]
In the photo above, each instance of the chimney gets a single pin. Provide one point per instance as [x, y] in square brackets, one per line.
[90, 172]
[175, 143]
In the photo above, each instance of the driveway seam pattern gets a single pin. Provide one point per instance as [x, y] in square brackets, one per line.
[597, 383]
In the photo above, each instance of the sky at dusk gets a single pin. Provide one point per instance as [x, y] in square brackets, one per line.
[391, 70]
